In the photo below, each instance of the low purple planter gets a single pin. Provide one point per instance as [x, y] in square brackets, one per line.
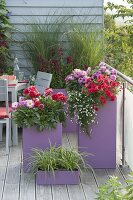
[71, 127]
[102, 143]
[58, 178]
[41, 140]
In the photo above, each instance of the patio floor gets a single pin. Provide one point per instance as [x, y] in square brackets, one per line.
[15, 185]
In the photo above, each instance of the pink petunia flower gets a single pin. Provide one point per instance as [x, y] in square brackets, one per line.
[15, 105]
[69, 78]
[113, 77]
[29, 103]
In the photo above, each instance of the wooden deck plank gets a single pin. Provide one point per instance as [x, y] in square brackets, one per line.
[43, 193]
[76, 192]
[3, 156]
[27, 186]
[101, 176]
[2, 180]
[60, 192]
[89, 185]
[11, 189]
[3, 173]
[125, 171]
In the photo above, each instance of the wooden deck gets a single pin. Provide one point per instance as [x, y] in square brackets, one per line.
[15, 185]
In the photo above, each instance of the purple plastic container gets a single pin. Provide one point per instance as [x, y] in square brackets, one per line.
[102, 143]
[58, 178]
[71, 127]
[41, 140]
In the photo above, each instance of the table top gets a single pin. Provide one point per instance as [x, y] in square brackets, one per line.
[17, 87]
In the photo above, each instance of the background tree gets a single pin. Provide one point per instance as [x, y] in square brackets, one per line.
[109, 22]
[5, 35]
[119, 40]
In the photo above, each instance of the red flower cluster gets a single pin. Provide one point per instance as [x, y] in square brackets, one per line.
[31, 92]
[38, 104]
[59, 97]
[103, 87]
[48, 91]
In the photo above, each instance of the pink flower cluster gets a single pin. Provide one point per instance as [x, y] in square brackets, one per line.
[80, 75]
[110, 72]
[29, 103]
[83, 77]
[32, 98]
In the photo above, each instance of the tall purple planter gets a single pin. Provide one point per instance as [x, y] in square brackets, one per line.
[42, 140]
[71, 127]
[102, 143]
[58, 178]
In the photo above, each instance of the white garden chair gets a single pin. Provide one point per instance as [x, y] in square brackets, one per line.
[5, 115]
[43, 81]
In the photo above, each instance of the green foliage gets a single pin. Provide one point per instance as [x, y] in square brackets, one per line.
[60, 158]
[5, 30]
[85, 45]
[43, 48]
[113, 190]
[39, 39]
[46, 118]
[4, 21]
[119, 49]
[119, 40]
[109, 22]
[60, 71]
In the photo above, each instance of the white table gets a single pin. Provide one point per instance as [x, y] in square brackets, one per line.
[13, 89]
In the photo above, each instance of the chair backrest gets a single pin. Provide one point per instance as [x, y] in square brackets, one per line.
[43, 81]
[4, 93]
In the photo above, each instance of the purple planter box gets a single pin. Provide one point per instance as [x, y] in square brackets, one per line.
[71, 127]
[41, 140]
[58, 178]
[102, 143]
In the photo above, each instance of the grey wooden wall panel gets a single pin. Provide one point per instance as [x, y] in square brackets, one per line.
[25, 12]
[55, 3]
[24, 27]
[76, 19]
[29, 11]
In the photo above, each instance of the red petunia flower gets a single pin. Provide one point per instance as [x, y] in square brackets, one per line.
[37, 102]
[25, 91]
[41, 106]
[59, 97]
[32, 92]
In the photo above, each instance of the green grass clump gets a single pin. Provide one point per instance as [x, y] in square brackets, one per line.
[60, 158]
